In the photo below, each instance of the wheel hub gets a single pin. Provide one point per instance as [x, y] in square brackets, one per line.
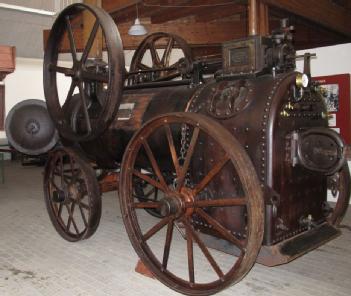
[72, 192]
[171, 205]
[175, 203]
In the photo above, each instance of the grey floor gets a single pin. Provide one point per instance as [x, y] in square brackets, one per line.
[34, 260]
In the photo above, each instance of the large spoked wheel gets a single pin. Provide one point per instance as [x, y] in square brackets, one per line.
[72, 195]
[340, 187]
[96, 77]
[152, 61]
[215, 191]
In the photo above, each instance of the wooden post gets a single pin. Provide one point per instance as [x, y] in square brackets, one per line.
[253, 23]
[88, 23]
[263, 18]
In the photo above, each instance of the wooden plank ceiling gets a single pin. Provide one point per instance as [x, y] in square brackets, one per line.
[205, 24]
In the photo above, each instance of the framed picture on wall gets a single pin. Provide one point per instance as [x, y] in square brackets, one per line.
[335, 90]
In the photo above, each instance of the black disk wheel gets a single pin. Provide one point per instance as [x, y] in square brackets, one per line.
[152, 62]
[83, 31]
[215, 193]
[340, 186]
[72, 195]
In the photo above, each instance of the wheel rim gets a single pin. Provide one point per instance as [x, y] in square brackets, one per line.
[181, 206]
[149, 47]
[340, 186]
[98, 81]
[72, 195]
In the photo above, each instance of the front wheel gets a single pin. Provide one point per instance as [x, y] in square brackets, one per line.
[72, 195]
[215, 192]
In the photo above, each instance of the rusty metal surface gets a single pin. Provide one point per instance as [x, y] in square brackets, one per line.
[284, 251]
[226, 161]
[161, 68]
[85, 71]
[183, 203]
[72, 194]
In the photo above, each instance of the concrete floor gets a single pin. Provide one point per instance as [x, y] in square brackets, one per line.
[35, 260]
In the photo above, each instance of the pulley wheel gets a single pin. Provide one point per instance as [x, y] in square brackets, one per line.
[72, 195]
[154, 53]
[29, 128]
[217, 195]
[95, 75]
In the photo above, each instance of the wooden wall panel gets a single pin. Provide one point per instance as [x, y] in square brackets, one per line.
[2, 106]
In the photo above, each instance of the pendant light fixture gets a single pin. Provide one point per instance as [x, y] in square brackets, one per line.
[137, 29]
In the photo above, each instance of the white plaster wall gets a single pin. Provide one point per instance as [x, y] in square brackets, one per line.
[330, 60]
[25, 83]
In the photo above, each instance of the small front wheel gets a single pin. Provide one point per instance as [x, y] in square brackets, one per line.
[72, 195]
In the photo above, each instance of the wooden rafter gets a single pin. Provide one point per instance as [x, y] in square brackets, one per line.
[112, 6]
[196, 34]
[323, 12]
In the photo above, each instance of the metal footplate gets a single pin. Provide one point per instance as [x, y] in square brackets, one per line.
[284, 251]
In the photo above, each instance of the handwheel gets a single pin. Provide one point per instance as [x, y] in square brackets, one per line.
[340, 186]
[160, 67]
[96, 77]
[72, 195]
[215, 191]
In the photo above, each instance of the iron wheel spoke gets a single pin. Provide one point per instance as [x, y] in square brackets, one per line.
[150, 180]
[167, 53]
[172, 149]
[154, 55]
[190, 250]
[85, 107]
[167, 245]
[154, 165]
[62, 70]
[146, 205]
[152, 231]
[225, 233]
[221, 202]
[71, 40]
[211, 174]
[90, 41]
[83, 215]
[203, 248]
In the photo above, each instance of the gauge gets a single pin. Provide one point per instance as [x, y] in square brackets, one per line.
[302, 80]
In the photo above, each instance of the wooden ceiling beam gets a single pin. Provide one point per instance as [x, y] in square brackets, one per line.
[112, 6]
[194, 7]
[196, 34]
[218, 13]
[323, 12]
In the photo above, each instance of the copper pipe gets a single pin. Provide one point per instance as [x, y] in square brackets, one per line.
[253, 23]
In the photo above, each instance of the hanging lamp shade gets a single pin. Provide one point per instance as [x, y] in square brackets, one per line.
[137, 29]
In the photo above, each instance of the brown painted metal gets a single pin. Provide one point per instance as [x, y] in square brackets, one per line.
[72, 194]
[180, 203]
[220, 165]
[82, 72]
[161, 68]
